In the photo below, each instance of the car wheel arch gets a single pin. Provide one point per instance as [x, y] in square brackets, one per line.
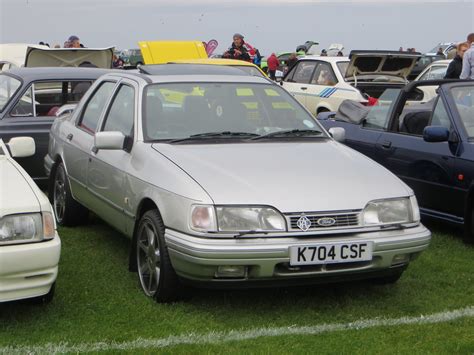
[57, 160]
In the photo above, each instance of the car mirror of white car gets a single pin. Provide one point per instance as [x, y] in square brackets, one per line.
[338, 133]
[22, 147]
[109, 140]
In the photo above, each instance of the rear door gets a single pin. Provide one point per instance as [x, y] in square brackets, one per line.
[80, 140]
[297, 82]
[322, 89]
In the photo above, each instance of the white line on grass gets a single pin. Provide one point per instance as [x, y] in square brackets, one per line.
[236, 335]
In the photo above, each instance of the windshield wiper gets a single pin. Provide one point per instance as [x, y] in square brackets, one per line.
[224, 134]
[290, 133]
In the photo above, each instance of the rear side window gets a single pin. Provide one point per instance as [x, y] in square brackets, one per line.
[303, 72]
[324, 75]
[122, 111]
[95, 106]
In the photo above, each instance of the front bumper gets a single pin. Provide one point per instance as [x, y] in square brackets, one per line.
[267, 259]
[28, 270]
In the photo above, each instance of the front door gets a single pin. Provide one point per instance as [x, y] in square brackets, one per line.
[298, 79]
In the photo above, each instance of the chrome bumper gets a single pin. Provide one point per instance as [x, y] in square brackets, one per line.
[28, 270]
[197, 258]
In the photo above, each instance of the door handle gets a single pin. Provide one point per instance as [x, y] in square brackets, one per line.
[69, 137]
[387, 144]
[304, 88]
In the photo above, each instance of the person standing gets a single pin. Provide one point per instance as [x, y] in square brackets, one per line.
[292, 59]
[273, 64]
[455, 67]
[238, 49]
[468, 60]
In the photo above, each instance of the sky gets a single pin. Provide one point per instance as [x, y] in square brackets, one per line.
[270, 25]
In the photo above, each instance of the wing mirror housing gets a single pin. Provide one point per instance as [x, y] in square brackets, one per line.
[338, 133]
[109, 140]
[435, 134]
[22, 147]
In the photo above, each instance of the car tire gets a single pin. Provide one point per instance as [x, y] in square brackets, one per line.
[388, 280]
[155, 271]
[47, 298]
[68, 211]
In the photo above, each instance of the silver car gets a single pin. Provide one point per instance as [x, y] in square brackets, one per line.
[227, 181]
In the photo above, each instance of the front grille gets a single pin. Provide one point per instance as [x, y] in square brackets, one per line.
[341, 220]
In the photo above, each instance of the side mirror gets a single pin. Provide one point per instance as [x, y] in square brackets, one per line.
[435, 134]
[22, 147]
[338, 133]
[109, 140]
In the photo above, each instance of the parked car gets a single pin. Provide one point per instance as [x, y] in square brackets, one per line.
[428, 145]
[29, 244]
[321, 84]
[160, 52]
[30, 98]
[423, 62]
[435, 71]
[446, 47]
[235, 184]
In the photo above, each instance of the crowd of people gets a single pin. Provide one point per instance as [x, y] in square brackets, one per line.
[461, 67]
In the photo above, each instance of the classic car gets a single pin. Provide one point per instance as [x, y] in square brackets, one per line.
[422, 63]
[29, 244]
[321, 84]
[428, 145]
[434, 71]
[225, 186]
[30, 98]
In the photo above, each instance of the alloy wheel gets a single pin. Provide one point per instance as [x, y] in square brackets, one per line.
[59, 201]
[148, 258]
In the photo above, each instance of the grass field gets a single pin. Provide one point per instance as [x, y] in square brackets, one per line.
[98, 300]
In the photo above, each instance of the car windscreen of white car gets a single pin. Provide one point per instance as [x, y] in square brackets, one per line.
[8, 88]
[464, 99]
[178, 111]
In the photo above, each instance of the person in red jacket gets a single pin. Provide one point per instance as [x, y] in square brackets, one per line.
[273, 64]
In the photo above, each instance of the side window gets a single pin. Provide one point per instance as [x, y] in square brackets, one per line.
[24, 107]
[95, 106]
[440, 115]
[122, 111]
[303, 72]
[379, 115]
[436, 72]
[324, 75]
[48, 97]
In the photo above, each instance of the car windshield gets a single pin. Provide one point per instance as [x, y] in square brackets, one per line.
[435, 49]
[343, 67]
[464, 100]
[8, 88]
[250, 70]
[180, 110]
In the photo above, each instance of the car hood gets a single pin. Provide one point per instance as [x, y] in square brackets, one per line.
[290, 176]
[69, 57]
[16, 194]
[392, 63]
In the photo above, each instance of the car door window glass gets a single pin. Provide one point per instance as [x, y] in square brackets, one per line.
[464, 100]
[122, 111]
[324, 75]
[303, 72]
[440, 115]
[95, 106]
[378, 116]
[434, 73]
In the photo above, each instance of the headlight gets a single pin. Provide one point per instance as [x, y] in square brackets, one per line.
[393, 211]
[26, 228]
[236, 219]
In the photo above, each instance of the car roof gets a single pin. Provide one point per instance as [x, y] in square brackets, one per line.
[193, 77]
[51, 73]
[324, 58]
[189, 69]
[442, 61]
[214, 61]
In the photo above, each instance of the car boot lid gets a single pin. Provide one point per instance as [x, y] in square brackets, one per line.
[69, 57]
[390, 63]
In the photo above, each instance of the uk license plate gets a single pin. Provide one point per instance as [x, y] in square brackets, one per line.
[330, 253]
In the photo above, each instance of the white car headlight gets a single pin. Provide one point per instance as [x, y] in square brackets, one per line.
[393, 211]
[26, 228]
[236, 219]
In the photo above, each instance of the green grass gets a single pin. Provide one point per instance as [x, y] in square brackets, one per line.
[97, 299]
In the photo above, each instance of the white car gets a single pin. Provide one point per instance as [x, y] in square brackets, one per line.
[322, 83]
[29, 244]
[434, 71]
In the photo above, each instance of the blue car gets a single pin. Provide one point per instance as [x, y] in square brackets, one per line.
[429, 145]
